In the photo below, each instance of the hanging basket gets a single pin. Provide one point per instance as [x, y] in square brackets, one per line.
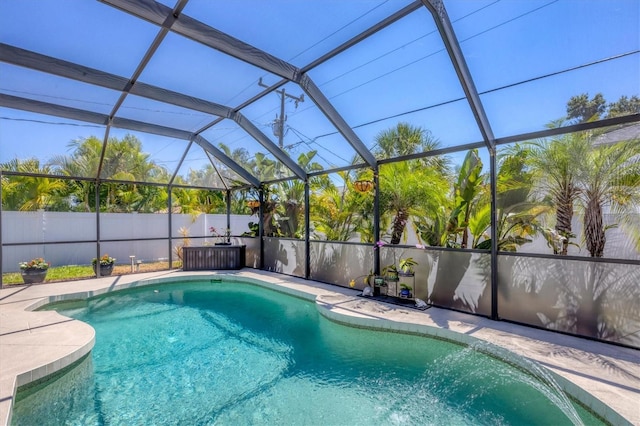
[363, 185]
[253, 204]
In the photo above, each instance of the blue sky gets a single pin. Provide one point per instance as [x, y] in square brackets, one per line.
[401, 69]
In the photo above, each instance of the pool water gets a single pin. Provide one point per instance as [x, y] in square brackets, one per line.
[205, 353]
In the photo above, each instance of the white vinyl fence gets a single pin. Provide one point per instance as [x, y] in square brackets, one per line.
[44, 227]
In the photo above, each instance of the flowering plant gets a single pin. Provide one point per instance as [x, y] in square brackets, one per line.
[222, 236]
[37, 263]
[365, 281]
[378, 244]
[104, 260]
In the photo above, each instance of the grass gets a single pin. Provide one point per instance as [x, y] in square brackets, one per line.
[79, 272]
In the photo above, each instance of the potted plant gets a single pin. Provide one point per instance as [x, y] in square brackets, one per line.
[406, 291]
[406, 266]
[390, 272]
[106, 263]
[34, 271]
[221, 239]
[368, 282]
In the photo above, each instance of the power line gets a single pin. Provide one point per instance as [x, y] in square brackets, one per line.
[52, 122]
[403, 46]
[339, 29]
[386, 74]
[419, 59]
[253, 83]
[552, 74]
[375, 59]
[339, 76]
[313, 142]
[599, 61]
[510, 20]
[278, 124]
[415, 61]
[432, 53]
[400, 114]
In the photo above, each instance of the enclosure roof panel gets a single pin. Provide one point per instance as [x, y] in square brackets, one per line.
[86, 33]
[529, 74]
[185, 66]
[257, 92]
[297, 32]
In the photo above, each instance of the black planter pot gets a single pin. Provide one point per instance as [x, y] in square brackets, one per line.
[393, 277]
[33, 275]
[105, 270]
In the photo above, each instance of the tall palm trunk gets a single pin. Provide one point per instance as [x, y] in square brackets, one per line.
[564, 215]
[593, 228]
[399, 223]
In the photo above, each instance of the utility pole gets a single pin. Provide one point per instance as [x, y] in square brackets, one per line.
[278, 124]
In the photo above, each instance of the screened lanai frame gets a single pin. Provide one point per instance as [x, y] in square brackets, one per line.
[172, 21]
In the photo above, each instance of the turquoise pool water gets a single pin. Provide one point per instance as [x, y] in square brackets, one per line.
[207, 353]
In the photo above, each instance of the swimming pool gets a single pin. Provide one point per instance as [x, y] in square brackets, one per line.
[234, 353]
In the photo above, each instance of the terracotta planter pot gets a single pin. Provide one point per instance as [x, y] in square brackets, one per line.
[33, 275]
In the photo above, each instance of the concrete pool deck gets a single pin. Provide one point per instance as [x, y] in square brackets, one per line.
[34, 345]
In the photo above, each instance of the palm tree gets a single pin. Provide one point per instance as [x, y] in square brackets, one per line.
[591, 299]
[405, 139]
[555, 172]
[83, 162]
[408, 191]
[339, 212]
[290, 196]
[609, 178]
[264, 168]
[123, 160]
[290, 207]
[30, 193]
[408, 188]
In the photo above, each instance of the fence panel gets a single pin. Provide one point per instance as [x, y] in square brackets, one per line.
[337, 263]
[593, 299]
[36, 228]
[284, 255]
